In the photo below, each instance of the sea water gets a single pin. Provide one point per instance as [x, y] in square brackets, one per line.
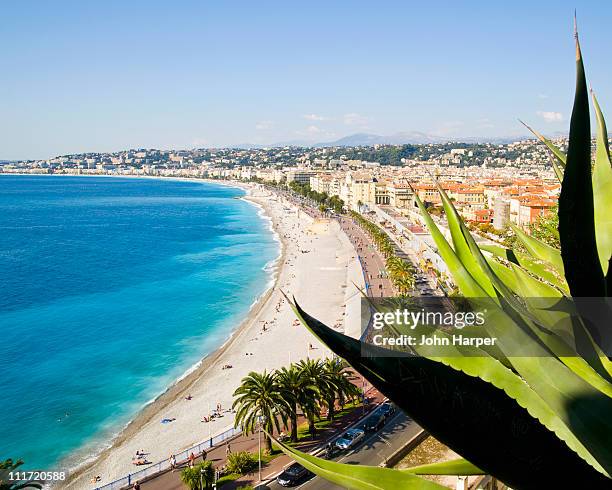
[110, 289]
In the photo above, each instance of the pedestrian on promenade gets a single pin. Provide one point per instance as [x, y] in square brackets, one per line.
[228, 449]
[191, 459]
[172, 461]
[136, 486]
[203, 454]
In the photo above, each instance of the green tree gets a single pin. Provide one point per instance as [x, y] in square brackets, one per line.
[297, 390]
[260, 396]
[338, 384]
[241, 462]
[200, 477]
[312, 371]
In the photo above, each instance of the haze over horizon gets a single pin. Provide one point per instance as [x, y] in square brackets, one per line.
[108, 76]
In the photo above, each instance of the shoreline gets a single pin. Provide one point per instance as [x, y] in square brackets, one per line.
[329, 264]
[180, 386]
[320, 279]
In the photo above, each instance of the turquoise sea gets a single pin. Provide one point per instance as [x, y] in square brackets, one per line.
[111, 289]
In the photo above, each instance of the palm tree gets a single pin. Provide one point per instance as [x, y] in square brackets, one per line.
[259, 395]
[404, 284]
[338, 384]
[312, 370]
[296, 389]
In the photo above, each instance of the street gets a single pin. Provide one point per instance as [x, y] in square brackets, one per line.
[371, 452]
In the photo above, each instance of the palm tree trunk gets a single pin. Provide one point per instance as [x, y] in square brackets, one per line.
[331, 405]
[311, 427]
[268, 444]
[294, 429]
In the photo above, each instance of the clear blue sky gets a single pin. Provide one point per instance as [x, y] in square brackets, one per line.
[106, 75]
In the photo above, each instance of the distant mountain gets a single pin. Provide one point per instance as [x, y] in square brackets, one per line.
[400, 138]
[410, 137]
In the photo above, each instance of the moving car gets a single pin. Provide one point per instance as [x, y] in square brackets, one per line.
[387, 409]
[293, 475]
[374, 422]
[350, 439]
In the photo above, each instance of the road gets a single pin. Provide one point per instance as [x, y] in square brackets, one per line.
[372, 262]
[371, 452]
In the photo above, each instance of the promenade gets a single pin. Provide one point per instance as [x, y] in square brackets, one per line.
[170, 480]
[372, 262]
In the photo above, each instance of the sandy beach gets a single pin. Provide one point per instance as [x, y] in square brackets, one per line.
[318, 266]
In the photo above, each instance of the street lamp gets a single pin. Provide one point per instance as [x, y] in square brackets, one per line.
[259, 452]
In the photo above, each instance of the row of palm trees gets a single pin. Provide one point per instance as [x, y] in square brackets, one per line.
[276, 398]
[322, 198]
[401, 272]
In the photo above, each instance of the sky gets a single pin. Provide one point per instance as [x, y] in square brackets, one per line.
[80, 76]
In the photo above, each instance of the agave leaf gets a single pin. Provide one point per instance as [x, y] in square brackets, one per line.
[559, 155]
[453, 467]
[583, 270]
[560, 388]
[540, 250]
[358, 477]
[558, 171]
[560, 333]
[602, 192]
[437, 397]
[462, 277]
[461, 247]
[528, 264]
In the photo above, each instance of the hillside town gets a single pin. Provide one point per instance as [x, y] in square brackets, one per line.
[491, 185]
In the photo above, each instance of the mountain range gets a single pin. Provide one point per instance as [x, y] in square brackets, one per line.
[401, 138]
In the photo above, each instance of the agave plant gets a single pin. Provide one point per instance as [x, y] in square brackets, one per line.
[536, 420]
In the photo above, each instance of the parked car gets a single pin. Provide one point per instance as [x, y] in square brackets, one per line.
[374, 422]
[293, 475]
[350, 439]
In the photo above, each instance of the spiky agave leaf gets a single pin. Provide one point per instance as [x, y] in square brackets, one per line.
[357, 477]
[462, 410]
[527, 263]
[452, 467]
[556, 152]
[541, 250]
[559, 386]
[583, 270]
[602, 196]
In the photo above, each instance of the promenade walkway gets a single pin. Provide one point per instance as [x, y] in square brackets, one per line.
[372, 262]
[218, 455]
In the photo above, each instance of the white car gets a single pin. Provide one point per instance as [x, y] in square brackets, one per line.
[350, 439]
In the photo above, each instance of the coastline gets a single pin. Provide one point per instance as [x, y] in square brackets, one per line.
[205, 368]
[180, 386]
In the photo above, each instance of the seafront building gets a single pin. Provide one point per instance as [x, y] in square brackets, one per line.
[494, 185]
